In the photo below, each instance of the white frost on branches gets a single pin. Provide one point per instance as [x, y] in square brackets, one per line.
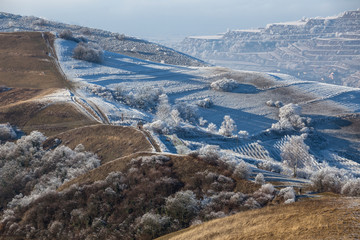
[228, 127]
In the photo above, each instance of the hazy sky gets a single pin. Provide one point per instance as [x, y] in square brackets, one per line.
[175, 18]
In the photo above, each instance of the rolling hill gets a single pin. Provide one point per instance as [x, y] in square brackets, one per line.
[168, 150]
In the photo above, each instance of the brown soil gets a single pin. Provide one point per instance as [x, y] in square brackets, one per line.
[325, 218]
[108, 142]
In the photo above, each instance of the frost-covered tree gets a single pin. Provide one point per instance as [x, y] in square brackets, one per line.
[7, 132]
[288, 194]
[351, 188]
[242, 171]
[151, 225]
[328, 179]
[289, 118]
[202, 121]
[224, 84]
[212, 128]
[88, 52]
[228, 126]
[183, 206]
[205, 103]
[187, 111]
[295, 153]
[259, 179]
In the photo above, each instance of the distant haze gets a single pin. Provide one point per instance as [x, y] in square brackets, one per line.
[166, 19]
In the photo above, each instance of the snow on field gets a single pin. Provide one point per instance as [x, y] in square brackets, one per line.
[181, 84]
[246, 103]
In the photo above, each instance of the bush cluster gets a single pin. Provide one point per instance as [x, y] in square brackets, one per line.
[225, 85]
[88, 52]
[146, 200]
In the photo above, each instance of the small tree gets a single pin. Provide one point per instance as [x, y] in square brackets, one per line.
[183, 206]
[259, 179]
[228, 126]
[212, 128]
[242, 171]
[295, 153]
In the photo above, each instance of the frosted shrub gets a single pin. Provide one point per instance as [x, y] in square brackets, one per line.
[228, 126]
[351, 188]
[289, 118]
[210, 153]
[88, 52]
[7, 132]
[66, 34]
[143, 97]
[269, 166]
[158, 126]
[265, 194]
[183, 206]
[205, 103]
[202, 121]
[243, 134]
[270, 103]
[259, 179]
[252, 203]
[288, 194]
[242, 171]
[224, 84]
[212, 128]
[328, 179]
[151, 225]
[26, 168]
[187, 111]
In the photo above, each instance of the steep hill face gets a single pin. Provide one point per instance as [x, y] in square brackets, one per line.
[317, 49]
[109, 41]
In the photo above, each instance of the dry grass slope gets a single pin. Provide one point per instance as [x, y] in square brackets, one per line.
[26, 66]
[108, 142]
[325, 218]
[25, 61]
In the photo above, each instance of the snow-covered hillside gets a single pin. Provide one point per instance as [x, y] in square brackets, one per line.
[318, 49]
[114, 42]
[128, 90]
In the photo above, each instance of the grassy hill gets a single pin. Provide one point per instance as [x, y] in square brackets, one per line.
[28, 72]
[324, 218]
[108, 142]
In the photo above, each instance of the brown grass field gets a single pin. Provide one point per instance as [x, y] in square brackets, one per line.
[25, 63]
[108, 142]
[324, 218]
[27, 68]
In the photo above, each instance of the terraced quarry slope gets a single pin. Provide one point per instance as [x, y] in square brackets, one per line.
[325, 218]
[316, 49]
